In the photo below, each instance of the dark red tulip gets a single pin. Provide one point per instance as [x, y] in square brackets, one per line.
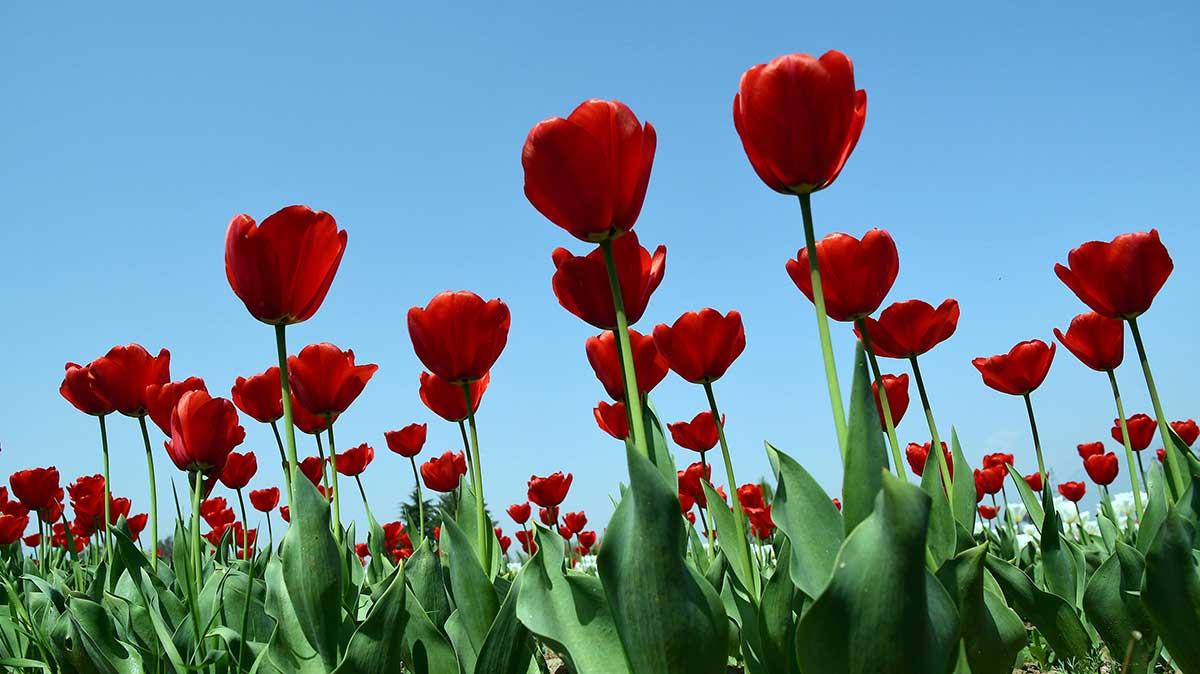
[612, 419]
[603, 355]
[575, 521]
[587, 539]
[259, 396]
[1087, 449]
[911, 328]
[990, 480]
[997, 459]
[1187, 431]
[528, 544]
[313, 468]
[549, 491]
[354, 461]
[1118, 279]
[917, 455]
[264, 500]
[1019, 371]
[123, 374]
[1072, 491]
[12, 528]
[1097, 341]
[855, 275]
[799, 118]
[216, 512]
[442, 473]
[581, 282]
[565, 532]
[1102, 468]
[281, 270]
[1161, 454]
[161, 399]
[1034, 480]
[700, 346]
[505, 544]
[548, 516]
[285, 513]
[306, 421]
[896, 387]
[80, 388]
[1141, 431]
[86, 494]
[690, 482]
[686, 501]
[699, 435]
[137, 524]
[588, 173]
[447, 400]
[32, 540]
[36, 488]
[837, 503]
[988, 512]
[750, 495]
[325, 379]
[519, 512]
[407, 441]
[204, 430]
[458, 335]
[239, 468]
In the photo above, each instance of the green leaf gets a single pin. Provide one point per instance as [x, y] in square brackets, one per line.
[1171, 590]
[423, 572]
[735, 552]
[1031, 500]
[660, 451]
[429, 650]
[92, 632]
[1113, 605]
[993, 634]
[374, 648]
[776, 620]
[507, 647]
[882, 611]
[1058, 562]
[806, 515]
[1156, 508]
[1050, 613]
[866, 454]
[468, 521]
[289, 649]
[474, 597]
[964, 486]
[940, 538]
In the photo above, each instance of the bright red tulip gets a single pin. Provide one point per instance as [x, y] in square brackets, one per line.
[855, 275]
[86, 494]
[136, 524]
[991, 479]
[285, 513]
[447, 400]
[239, 468]
[1034, 480]
[837, 503]
[588, 173]
[549, 491]
[204, 430]
[281, 270]
[587, 539]
[581, 282]
[1102, 468]
[505, 544]
[1187, 431]
[699, 435]
[1019, 371]
[612, 419]
[519, 512]
[1161, 454]
[264, 500]
[407, 441]
[988, 512]
[458, 335]
[548, 516]
[1087, 449]
[799, 118]
[690, 483]
[603, 355]
[259, 396]
[1118, 279]
[123, 374]
[761, 523]
[750, 495]
[313, 468]
[997, 459]
[36, 488]
[1141, 431]
[528, 544]
[911, 328]
[80, 388]
[1097, 341]
[1072, 491]
[306, 421]
[161, 399]
[354, 461]
[216, 512]
[700, 346]
[12, 528]
[442, 473]
[896, 387]
[575, 522]
[917, 455]
[325, 379]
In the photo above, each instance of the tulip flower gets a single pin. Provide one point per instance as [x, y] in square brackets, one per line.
[354, 461]
[612, 419]
[565, 532]
[307, 422]
[911, 328]
[918, 454]
[699, 434]
[587, 539]
[1161, 454]
[326, 380]
[750, 495]
[519, 512]
[265, 500]
[582, 287]
[1072, 491]
[997, 459]
[604, 356]
[285, 513]
[988, 512]
[1087, 449]
[216, 512]
[36, 488]
[260, 397]
[856, 275]
[1187, 431]
[1141, 431]
[459, 336]
[991, 479]
[407, 441]
[12, 528]
[1034, 480]
[896, 389]
[1019, 372]
[547, 516]
[575, 522]
[447, 400]
[700, 346]
[549, 491]
[442, 473]
[1102, 468]
[313, 468]
[161, 399]
[203, 432]
[239, 468]
[526, 539]
[505, 543]
[80, 388]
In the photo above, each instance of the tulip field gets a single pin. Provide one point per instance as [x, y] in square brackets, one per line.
[929, 558]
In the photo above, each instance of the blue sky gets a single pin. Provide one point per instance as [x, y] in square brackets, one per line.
[995, 141]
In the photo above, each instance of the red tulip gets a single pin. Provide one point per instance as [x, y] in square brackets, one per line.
[837, 503]
[761, 523]
[123, 374]
[458, 335]
[204, 430]
[161, 399]
[325, 379]
[264, 500]
[36, 488]
[588, 173]
[612, 419]
[1097, 341]
[917, 455]
[1019, 371]
[313, 468]
[519, 512]
[587, 539]
[87, 498]
[307, 422]
[505, 544]
[1187, 431]
[259, 396]
[239, 468]
[407, 441]
[565, 532]
[691, 518]
[1118, 279]
[216, 512]
[988, 512]
[282, 269]
[799, 119]
[990, 480]
[32, 540]
[855, 275]
[686, 501]
[548, 516]
[896, 387]
[285, 513]
[997, 459]
[1102, 468]
[603, 355]
[750, 495]
[911, 328]
[1161, 454]
[80, 388]
[136, 525]
[581, 282]
[1141, 431]
[1034, 480]
[442, 473]
[1087, 449]
[699, 435]
[354, 461]
[393, 535]
[549, 491]
[447, 400]
[700, 346]
[528, 544]
[690, 483]
[575, 522]
[1072, 491]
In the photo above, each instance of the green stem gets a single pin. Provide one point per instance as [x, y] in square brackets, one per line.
[738, 514]
[1084, 537]
[1133, 474]
[1173, 459]
[462, 428]
[337, 510]
[363, 492]
[285, 391]
[1037, 442]
[477, 483]
[287, 473]
[153, 496]
[633, 401]
[712, 544]
[107, 493]
[889, 424]
[197, 488]
[270, 534]
[420, 498]
[831, 379]
[321, 456]
[1008, 520]
[249, 577]
[936, 442]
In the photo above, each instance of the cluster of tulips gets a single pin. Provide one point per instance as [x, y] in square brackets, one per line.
[898, 573]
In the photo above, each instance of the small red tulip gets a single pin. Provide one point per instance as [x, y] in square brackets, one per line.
[528, 544]
[325, 379]
[313, 468]
[575, 521]
[1072, 491]
[407, 441]
[458, 335]
[761, 523]
[520, 512]
[917, 455]
[548, 516]
[161, 399]
[86, 494]
[581, 282]
[123, 374]
[603, 355]
[136, 524]
[1019, 371]
[216, 512]
[1102, 468]
[1118, 279]
[587, 539]
[750, 495]
[204, 430]
[549, 491]
[690, 482]
[1034, 480]
[1097, 341]
[565, 532]
[442, 473]
[307, 422]
[988, 512]
[505, 544]
[239, 468]
[1087, 449]
[264, 500]
[997, 459]
[612, 419]
[911, 328]
[691, 518]
[355, 460]
[36, 488]
[1141, 431]
[285, 513]
[80, 388]
[855, 275]
[896, 387]
[699, 435]
[32, 540]
[1187, 431]
[991, 480]
[1161, 454]
[259, 396]
[837, 503]
[700, 346]
[447, 400]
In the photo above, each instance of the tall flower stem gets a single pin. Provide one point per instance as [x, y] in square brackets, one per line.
[888, 422]
[412, 460]
[477, 483]
[1133, 474]
[366, 504]
[153, 496]
[462, 429]
[633, 401]
[249, 575]
[321, 456]
[1037, 442]
[270, 534]
[738, 515]
[1008, 519]
[707, 532]
[1173, 459]
[285, 390]
[283, 461]
[337, 508]
[1084, 537]
[197, 488]
[107, 492]
[936, 445]
[831, 378]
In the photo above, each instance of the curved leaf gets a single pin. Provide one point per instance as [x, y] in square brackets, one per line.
[374, 648]
[1171, 590]
[805, 514]
[866, 454]
[1114, 607]
[1050, 613]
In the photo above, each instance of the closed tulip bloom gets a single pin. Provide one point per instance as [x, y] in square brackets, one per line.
[12, 528]
[520, 512]
[505, 543]
[991, 479]
[260, 396]
[997, 459]
[918, 454]
[407, 441]
[690, 482]
[549, 491]
[1097, 341]
[587, 539]
[313, 468]
[575, 521]
[603, 353]
[911, 328]
[750, 495]
[354, 461]
[79, 387]
[216, 512]
[161, 399]
[442, 473]
[264, 500]
[1161, 454]
[699, 435]
[1087, 449]
[528, 544]
[1102, 468]
[239, 468]
[137, 524]
[281, 270]
[1141, 431]
[204, 430]
[581, 282]
[612, 419]
[1187, 431]
[1034, 480]
[286, 514]
[325, 379]
[1072, 491]
[306, 421]
[896, 387]
[588, 173]
[1120, 278]
[447, 400]
[458, 335]
[855, 275]
[799, 118]
[700, 346]
[1019, 371]
[123, 374]
[36, 488]
[988, 512]
[547, 516]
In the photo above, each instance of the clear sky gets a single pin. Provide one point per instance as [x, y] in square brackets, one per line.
[995, 141]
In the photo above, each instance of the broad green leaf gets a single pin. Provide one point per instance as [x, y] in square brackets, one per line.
[660, 450]
[507, 648]
[289, 649]
[375, 648]
[993, 634]
[474, 597]
[735, 552]
[424, 572]
[1156, 508]
[92, 634]
[940, 538]
[428, 649]
[1032, 501]
[964, 487]
[806, 515]
[866, 454]
[777, 621]
[468, 521]
[1058, 562]
[1171, 590]
[1050, 613]
[1114, 608]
